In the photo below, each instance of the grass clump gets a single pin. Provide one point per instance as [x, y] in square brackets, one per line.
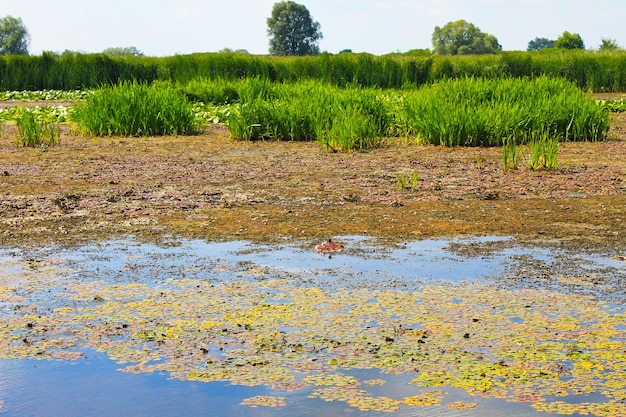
[407, 181]
[543, 152]
[510, 156]
[339, 119]
[480, 112]
[136, 109]
[32, 131]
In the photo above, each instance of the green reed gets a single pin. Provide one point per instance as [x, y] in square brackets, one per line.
[339, 119]
[136, 109]
[33, 131]
[480, 112]
[543, 152]
[510, 155]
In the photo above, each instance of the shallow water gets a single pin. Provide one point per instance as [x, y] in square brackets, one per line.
[91, 386]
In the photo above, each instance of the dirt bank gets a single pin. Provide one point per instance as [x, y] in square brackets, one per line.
[213, 187]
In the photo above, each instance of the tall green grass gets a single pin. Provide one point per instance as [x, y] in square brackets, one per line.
[339, 119]
[485, 112]
[587, 69]
[136, 109]
[33, 131]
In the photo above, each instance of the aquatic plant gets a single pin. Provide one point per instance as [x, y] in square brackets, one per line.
[410, 181]
[481, 112]
[543, 152]
[136, 109]
[509, 154]
[33, 131]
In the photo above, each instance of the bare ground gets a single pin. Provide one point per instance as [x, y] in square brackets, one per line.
[213, 187]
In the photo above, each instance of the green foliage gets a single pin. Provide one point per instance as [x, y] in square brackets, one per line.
[407, 181]
[596, 71]
[609, 45]
[48, 114]
[14, 37]
[614, 106]
[510, 156]
[292, 30]
[479, 112]
[34, 131]
[463, 38]
[543, 151]
[136, 109]
[538, 44]
[339, 119]
[125, 51]
[569, 41]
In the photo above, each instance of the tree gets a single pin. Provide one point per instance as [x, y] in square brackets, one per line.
[569, 41]
[118, 51]
[538, 44]
[14, 37]
[463, 38]
[292, 30]
[236, 51]
[609, 45]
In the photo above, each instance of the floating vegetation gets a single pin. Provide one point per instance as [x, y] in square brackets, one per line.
[264, 401]
[522, 346]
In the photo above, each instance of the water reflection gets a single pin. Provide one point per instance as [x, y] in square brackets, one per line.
[93, 387]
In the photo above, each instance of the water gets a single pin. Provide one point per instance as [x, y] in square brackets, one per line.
[92, 385]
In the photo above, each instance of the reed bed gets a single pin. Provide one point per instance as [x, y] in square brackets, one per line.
[487, 112]
[588, 70]
[465, 112]
[339, 119]
[136, 109]
[507, 112]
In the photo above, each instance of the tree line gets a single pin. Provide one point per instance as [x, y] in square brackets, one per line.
[292, 31]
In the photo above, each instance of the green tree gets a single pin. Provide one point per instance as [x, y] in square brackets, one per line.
[292, 30]
[14, 37]
[463, 38]
[569, 41]
[234, 51]
[538, 44]
[609, 45]
[119, 51]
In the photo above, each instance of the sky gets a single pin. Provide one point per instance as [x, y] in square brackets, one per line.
[169, 27]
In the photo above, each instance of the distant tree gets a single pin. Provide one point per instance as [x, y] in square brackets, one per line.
[236, 51]
[463, 38]
[540, 43]
[609, 45]
[14, 37]
[119, 51]
[569, 41]
[292, 30]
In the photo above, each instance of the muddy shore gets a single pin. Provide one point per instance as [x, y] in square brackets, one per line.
[213, 187]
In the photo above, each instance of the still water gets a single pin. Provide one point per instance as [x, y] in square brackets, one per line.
[92, 385]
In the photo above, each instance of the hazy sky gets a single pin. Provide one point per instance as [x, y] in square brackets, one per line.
[168, 27]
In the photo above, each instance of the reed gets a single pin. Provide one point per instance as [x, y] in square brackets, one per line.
[339, 119]
[510, 158]
[543, 152]
[32, 131]
[586, 69]
[136, 109]
[481, 112]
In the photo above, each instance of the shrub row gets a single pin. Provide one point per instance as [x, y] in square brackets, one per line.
[588, 70]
